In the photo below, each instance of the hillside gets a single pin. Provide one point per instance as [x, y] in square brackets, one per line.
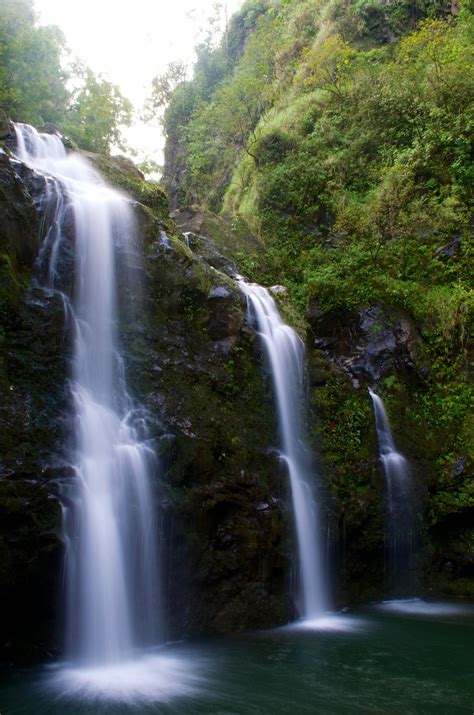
[338, 135]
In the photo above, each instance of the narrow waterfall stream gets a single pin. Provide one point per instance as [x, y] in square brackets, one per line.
[111, 561]
[286, 355]
[400, 508]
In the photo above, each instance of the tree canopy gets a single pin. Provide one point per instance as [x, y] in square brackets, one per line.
[32, 81]
[36, 87]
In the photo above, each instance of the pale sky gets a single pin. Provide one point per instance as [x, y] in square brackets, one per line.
[131, 42]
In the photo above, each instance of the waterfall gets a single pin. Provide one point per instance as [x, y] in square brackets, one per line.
[286, 355]
[400, 508]
[111, 561]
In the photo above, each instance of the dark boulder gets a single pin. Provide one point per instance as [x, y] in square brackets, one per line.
[368, 344]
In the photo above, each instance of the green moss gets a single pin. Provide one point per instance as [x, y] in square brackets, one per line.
[344, 419]
[123, 174]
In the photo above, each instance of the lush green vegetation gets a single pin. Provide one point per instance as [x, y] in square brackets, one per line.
[36, 88]
[341, 134]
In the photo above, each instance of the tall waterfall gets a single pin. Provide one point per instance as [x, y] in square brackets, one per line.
[112, 600]
[286, 355]
[400, 508]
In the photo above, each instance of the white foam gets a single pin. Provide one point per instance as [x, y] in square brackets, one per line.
[420, 607]
[147, 679]
[328, 622]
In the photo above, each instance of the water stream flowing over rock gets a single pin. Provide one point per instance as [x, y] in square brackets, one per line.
[286, 355]
[111, 563]
[400, 508]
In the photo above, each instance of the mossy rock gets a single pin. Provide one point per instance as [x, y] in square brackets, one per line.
[122, 173]
[196, 367]
[232, 235]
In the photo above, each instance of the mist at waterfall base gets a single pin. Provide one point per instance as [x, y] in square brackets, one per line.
[286, 356]
[400, 529]
[112, 589]
[384, 662]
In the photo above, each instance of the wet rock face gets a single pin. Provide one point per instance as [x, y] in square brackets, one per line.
[382, 348]
[29, 570]
[210, 251]
[18, 228]
[34, 415]
[348, 351]
[196, 367]
[225, 317]
[368, 345]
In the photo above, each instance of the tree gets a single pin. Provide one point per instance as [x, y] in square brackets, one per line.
[163, 87]
[97, 111]
[328, 66]
[32, 82]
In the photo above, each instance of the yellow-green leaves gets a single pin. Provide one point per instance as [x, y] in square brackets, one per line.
[328, 66]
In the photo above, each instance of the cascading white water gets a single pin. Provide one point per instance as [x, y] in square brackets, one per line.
[400, 526]
[112, 601]
[285, 351]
